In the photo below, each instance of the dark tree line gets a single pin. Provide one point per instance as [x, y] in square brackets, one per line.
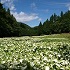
[57, 24]
[10, 27]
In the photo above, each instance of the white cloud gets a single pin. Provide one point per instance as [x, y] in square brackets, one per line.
[67, 4]
[9, 4]
[39, 19]
[56, 3]
[33, 6]
[23, 17]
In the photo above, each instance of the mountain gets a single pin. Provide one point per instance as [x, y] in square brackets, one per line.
[9, 27]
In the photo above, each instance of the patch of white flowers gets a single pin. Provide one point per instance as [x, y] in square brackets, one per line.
[41, 53]
[47, 68]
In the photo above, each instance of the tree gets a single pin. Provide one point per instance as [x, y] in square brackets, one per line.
[1, 7]
[61, 14]
[52, 19]
[10, 27]
[40, 29]
[8, 10]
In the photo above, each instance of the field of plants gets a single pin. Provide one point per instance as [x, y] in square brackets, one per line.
[48, 52]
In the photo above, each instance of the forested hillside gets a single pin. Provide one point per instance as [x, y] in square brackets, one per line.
[10, 27]
[57, 24]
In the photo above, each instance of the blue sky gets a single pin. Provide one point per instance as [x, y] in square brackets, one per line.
[32, 12]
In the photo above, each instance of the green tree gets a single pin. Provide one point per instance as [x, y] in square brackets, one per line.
[40, 29]
[1, 6]
[8, 10]
[52, 19]
[61, 14]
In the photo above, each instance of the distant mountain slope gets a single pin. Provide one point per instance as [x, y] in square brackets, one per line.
[23, 25]
[10, 27]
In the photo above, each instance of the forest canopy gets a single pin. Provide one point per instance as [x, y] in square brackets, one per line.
[9, 27]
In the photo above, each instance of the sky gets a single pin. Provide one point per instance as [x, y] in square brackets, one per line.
[31, 12]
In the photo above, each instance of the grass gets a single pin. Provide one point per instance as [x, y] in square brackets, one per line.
[35, 53]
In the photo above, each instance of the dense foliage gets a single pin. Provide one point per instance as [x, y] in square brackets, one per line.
[10, 27]
[57, 24]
